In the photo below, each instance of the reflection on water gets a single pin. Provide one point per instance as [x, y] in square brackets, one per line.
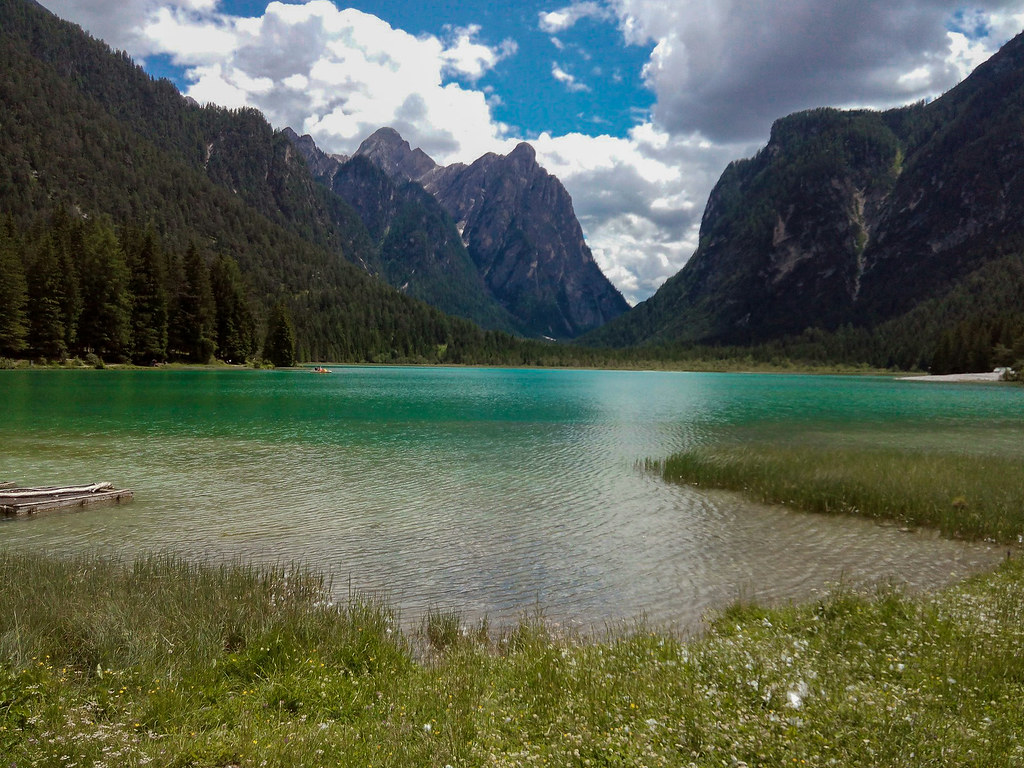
[497, 492]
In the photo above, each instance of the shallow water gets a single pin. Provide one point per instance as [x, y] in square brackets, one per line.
[497, 492]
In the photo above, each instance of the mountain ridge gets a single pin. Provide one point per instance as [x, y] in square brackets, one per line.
[515, 221]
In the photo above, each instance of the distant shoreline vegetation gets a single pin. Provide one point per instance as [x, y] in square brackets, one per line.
[740, 366]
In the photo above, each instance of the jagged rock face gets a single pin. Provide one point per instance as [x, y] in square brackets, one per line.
[960, 198]
[851, 218]
[520, 228]
[321, 165]
[515, 220]
[418, 248]
[391, 153]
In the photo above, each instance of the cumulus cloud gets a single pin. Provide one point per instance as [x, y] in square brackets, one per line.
[338, 74]
[639, 198]
[470, 59]
[729, 68]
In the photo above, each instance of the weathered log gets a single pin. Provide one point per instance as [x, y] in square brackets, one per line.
[21, 493]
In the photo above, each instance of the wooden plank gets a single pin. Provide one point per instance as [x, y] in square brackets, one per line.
[27, 508]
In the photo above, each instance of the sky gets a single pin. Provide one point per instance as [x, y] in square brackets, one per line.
[636, 105]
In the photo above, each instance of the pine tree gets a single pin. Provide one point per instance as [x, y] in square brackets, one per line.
[13, 299]
[46, 318]
[105, 325]
[942, 357]
[149, 300]
[279, 345]
[236, 328]
[192, 327]
[67, 236]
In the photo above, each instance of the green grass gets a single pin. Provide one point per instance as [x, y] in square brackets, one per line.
[162, 663]
[961, 495]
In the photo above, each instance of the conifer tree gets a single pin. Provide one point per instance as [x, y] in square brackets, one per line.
[13, 299]
[105, 325]
[47, 333]
[149, 300]
[236, 328]
[192, 328]
[942, 357]
[67, 237]
[279, 345]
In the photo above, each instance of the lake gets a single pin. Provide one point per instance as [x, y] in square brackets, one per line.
[501, 493]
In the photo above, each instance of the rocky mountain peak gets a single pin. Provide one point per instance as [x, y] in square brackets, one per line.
[513, 219]
[524, 154]
[394, 155]
[322, 165]
[519, 226]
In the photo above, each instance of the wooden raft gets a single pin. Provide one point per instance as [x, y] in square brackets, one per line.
[22, 502]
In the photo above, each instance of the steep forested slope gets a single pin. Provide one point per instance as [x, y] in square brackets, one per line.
[84, 130]
[853, 219]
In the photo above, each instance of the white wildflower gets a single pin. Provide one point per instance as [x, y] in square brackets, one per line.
[797, 694]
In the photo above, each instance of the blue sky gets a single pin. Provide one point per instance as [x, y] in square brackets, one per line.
[636, 105]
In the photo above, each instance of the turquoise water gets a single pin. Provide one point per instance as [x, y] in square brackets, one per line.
[498, 492]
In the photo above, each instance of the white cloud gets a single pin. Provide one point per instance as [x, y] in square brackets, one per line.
[339, 74]
[729, 68]
[638, 198]
[966, 53]
[554, 22]
[188, 38]
[569, 81]
[470, 59]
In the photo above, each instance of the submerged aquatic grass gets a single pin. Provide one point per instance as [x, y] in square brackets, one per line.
[961, 495]
[159, 662]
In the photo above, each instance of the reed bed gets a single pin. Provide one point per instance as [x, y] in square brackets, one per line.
[963, 496]
[165, 663]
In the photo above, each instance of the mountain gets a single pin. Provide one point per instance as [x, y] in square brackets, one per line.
[418, 249]
[89, 135]
[852, 218]
[519, 226]
[514, 222]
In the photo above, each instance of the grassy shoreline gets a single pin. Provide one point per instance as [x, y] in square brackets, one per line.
[960, 495]
[163, 663]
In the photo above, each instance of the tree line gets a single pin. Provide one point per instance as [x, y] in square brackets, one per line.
[74, 286]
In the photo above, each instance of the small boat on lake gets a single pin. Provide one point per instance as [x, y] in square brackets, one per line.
[24, 502]
[318, 369]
